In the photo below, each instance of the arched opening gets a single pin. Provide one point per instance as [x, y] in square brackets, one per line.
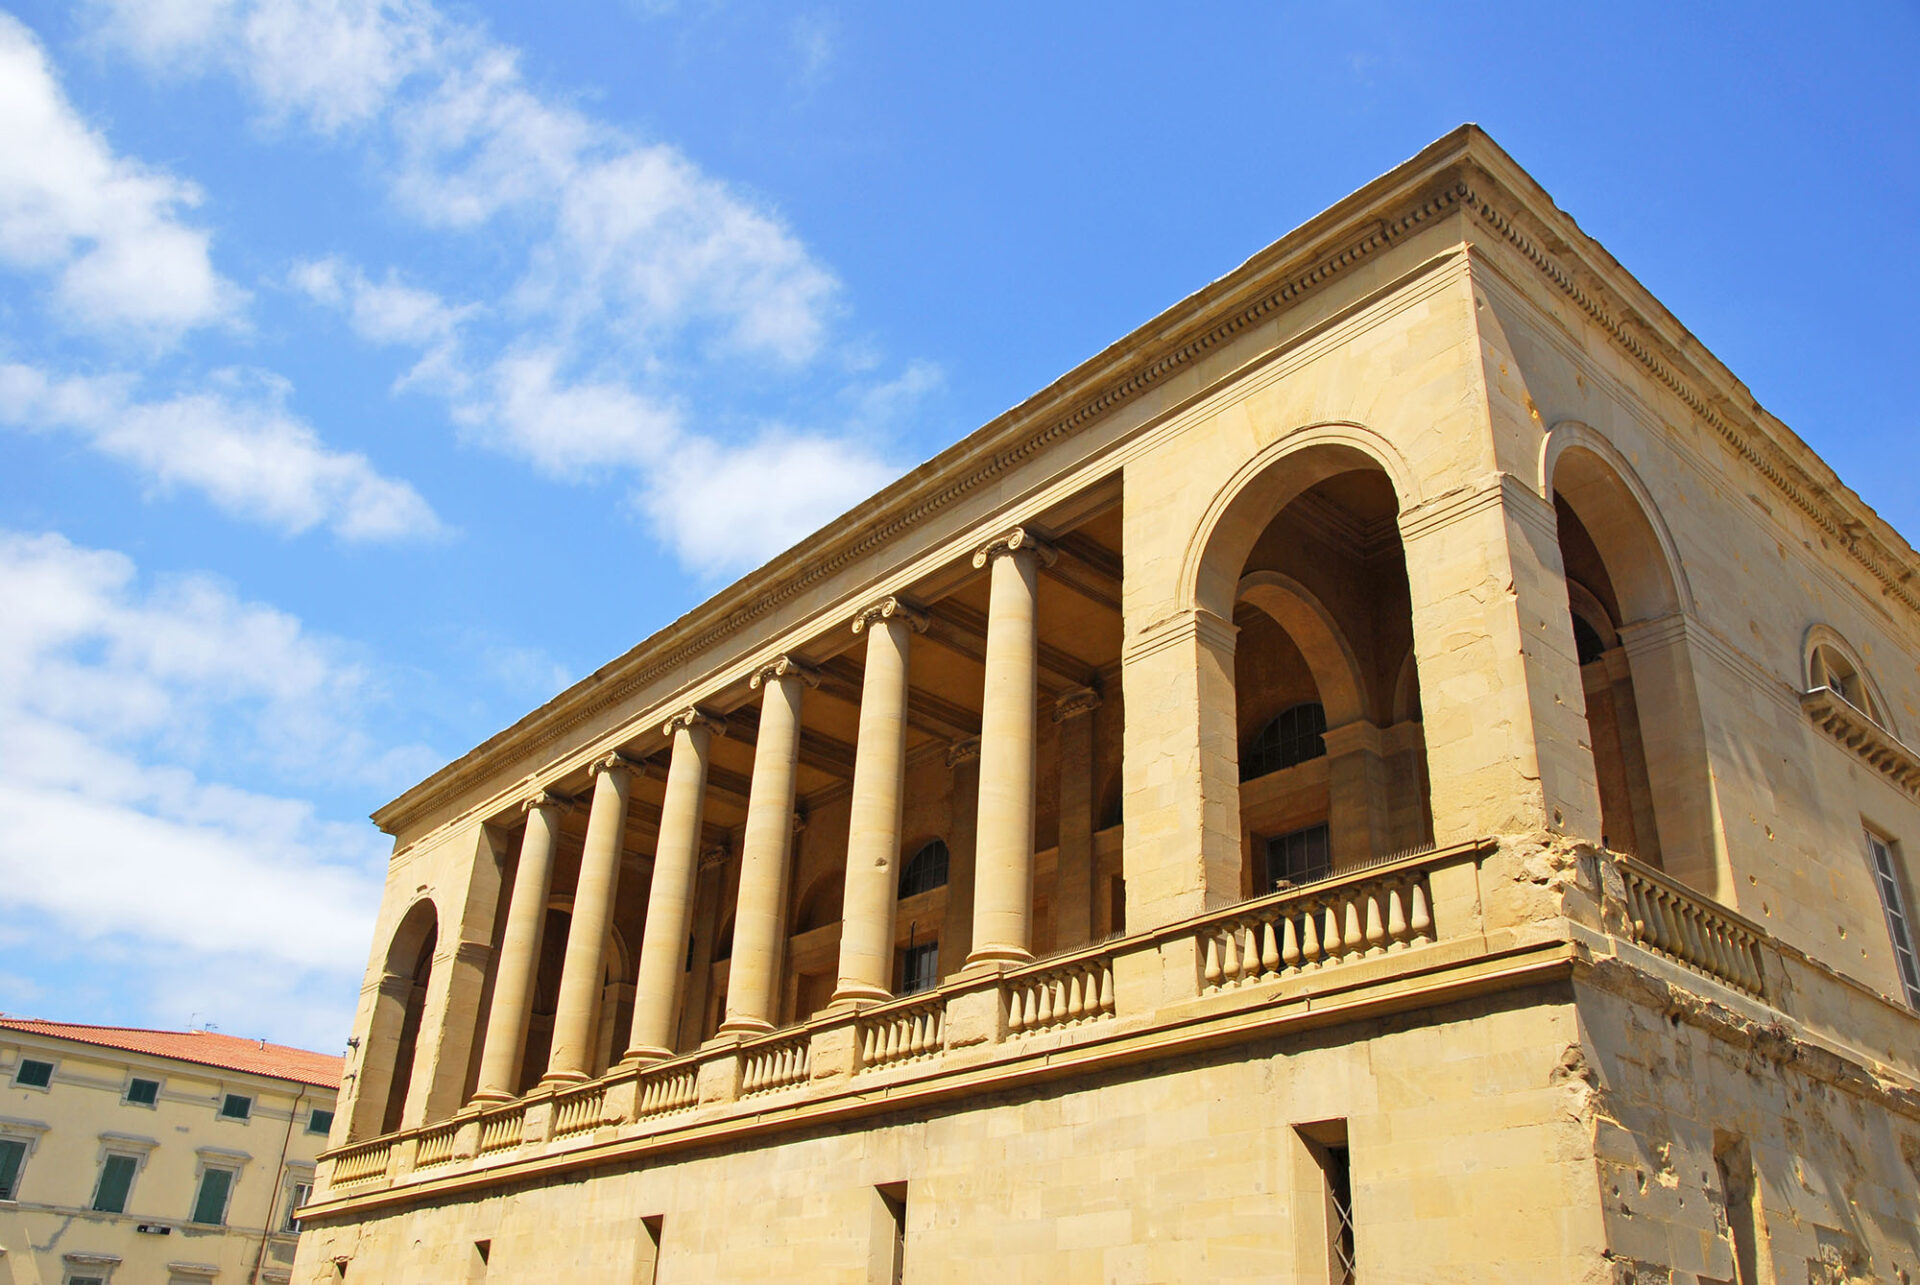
[813, 951]
[546, 993]
[1628, 599]
[925, 870]
[1330, 755]
[393, 1036]
[1627, 820]
[1833, 664]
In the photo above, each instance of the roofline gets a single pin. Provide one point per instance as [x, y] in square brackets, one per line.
[1317, 248]
[24, 1026]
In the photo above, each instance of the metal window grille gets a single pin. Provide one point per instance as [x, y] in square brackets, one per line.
[1299, 857]
[1294, 737]
[925, 870]
[1340, 1190]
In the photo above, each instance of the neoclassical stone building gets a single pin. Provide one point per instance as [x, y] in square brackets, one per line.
[1398, 770]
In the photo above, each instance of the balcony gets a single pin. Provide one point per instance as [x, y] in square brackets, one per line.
[1408, 932]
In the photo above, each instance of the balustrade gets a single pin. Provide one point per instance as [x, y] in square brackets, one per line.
[903, 1034]
[775, 1065]
[363, 1163]
[1063, 995]
[1676, 923]
[434, 1146]
[666, 1091]
[502, 1130]
[1297, 932]
[579, 1110]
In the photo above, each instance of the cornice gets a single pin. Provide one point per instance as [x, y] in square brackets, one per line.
[1843, 516]
[1462, 173]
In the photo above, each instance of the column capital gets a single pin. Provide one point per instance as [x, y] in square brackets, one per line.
[616, 760]
[691, 717]
[715, 857]
[784, 667]
[1077, 703]
[1017, 540]
[889, 607]
[965, 750]
[549, 799]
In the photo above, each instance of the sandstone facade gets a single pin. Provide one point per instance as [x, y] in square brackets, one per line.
[1393, 771]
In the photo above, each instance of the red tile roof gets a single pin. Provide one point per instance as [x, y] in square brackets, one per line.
[205, 1048]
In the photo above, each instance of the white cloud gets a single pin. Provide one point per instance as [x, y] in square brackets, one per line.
[722, 507]
[236, 445]
[111, 690]
[106, 227]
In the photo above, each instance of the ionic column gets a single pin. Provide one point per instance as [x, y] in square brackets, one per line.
[1073, 899]
[584, 968]
[758, 933]
[1003, 870]
[676, 863]
[513, 981]
[878, 804]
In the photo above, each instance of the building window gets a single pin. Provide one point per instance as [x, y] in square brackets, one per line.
[1294, 737]
[1829, 667]
[116, 1182]
[920, 968]
[143, 1093]
[297, 1195]
[210, 1202]
[1301, 856]
[13, 1158]
[1893, 901]
[925, 870]
[85, 1280]
[319, 1121]
[236, 1106]
[33, 1073]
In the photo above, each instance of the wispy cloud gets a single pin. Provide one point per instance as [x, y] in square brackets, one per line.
[235, 443]
[115, 692]
[106, 229]
[644, 286]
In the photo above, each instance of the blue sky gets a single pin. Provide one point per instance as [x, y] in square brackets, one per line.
[369, 372]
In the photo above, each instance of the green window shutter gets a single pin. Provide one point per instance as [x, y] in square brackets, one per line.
[116, 1180]
[34, 1074]
[319, 1121]
[11, 1155]
[210, 1206]
[143, 1092]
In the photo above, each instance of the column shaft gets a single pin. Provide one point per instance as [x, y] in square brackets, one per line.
[1003, 872]
[582, 972]
[758, 934]
[876, 811]
[676, 863]
[513, 981]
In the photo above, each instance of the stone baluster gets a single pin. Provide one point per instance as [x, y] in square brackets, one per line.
[676, 864]
[581, 974]
[1003, 869]
[877, 807]
[513, 982]
[758, 933]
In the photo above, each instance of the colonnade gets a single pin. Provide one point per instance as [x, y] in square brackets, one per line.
[1002, 913]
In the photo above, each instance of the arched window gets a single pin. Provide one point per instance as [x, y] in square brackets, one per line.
[1829, 667]
[1294, 737]
[925, 870]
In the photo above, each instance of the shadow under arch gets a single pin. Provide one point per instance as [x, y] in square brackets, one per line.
[393, 1034]
[1645, 724]
[1260, 488]
[1322, 643]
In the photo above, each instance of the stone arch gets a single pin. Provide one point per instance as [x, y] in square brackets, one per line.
[821, 905]
[1643, 707]
[393, 1034]
[1266, 484]
[1336, 671]
[1827, 659]
[1589, 472]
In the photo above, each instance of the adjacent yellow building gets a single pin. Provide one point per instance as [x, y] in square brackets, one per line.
[137, 1157]
[1398, 770]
